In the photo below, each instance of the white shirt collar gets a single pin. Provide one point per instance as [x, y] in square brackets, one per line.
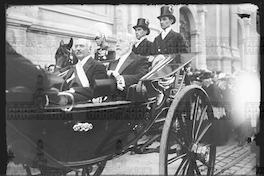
[84, 60]
[122, 60]
[166, 31]
[140, 40]
[125, 55]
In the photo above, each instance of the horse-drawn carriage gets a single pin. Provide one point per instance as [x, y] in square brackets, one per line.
[58, 140]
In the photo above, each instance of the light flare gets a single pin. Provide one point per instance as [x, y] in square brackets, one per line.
[246, 98]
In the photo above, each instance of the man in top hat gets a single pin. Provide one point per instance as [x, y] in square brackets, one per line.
[168, 41]
[103, 51]
[143, 45]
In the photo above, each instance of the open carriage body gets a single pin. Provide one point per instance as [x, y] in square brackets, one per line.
[86, 134]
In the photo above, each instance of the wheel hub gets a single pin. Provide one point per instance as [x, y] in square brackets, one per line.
[201, 152]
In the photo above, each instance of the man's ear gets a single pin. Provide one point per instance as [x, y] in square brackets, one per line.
[171, 20]
[90, 48]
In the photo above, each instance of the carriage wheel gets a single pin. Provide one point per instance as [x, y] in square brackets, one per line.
[187, 144]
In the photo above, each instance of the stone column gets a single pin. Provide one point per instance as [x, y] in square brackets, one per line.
[202, 39]
[233, 26]
[118, 29]
[247, 44]
[176, 13]
[194, 46]
[130, 19]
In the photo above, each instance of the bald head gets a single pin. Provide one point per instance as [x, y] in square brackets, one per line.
[82, 48]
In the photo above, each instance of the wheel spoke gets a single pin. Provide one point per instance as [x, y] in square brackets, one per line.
[184, 130]
[196, 168]
[194, 115]
[183, 163]
[178, 141]
[185, 167]
[203, 132]
[190, 170]
[175, 158]
[206, 164]
[200, 122]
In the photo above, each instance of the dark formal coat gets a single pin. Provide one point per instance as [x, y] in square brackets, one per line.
[214, 94]
[173, 43]
[144, 48]
[133, 68]
[93, 70]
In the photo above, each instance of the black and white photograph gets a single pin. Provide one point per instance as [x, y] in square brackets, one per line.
[132, 89]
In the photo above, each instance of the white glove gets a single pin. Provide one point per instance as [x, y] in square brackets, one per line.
[71, 90]
[120, 82]
[113, 72]
[97, 100]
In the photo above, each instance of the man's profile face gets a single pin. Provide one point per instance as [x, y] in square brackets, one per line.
[165, 22]
[81, 48]
[140, 32]
[99, 41]
[207, 82]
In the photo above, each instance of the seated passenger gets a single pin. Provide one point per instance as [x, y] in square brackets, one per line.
[79, 80]
[129, 67]
[143, 45]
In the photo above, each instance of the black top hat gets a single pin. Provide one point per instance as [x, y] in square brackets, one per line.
[143, 23]
[167, 11]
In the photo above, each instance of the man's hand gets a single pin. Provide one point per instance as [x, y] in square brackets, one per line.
[119, 79]
[71, 90]
[112, 72]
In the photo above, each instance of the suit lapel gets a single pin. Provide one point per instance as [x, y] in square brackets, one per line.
[113, 65]
[159, 41]
[88, 64]
[71, 70]
[143, 43]
[127, 62]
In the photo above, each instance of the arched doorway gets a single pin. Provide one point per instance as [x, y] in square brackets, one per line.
[188, 29]
[185, 26]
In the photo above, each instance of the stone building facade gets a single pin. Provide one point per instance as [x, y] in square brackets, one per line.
[224, 39]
